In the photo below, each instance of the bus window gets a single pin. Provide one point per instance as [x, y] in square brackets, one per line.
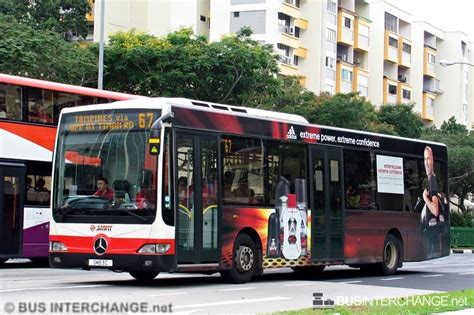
[63, 100]
[10, 101]
[38, 183]
[287, 160]
[360, 180]
[40, 106]
[243, 171]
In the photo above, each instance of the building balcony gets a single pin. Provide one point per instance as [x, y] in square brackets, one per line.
[362, 34]
[391, 47]
[301, 23]
[361, 82]
[428, 112]
[288, 68]
[289, 40]
[301, 52]
[429, 62]
[345, 27]
[344, 77]
[404, 93]
[404, 52]
[289, 8]
[390, 91]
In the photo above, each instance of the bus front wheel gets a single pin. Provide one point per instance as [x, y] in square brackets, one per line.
[144, 275]
[391, 256]
[245, 259]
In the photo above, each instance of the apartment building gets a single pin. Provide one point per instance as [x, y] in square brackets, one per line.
[336, 46]
[156, 17]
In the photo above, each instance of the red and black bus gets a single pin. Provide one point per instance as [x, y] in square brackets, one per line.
[208, 187]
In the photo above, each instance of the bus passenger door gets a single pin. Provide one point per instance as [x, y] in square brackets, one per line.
[12, 180]
[197, 225]
[327, 226]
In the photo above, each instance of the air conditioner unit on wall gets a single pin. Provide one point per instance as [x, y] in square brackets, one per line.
[292, 30]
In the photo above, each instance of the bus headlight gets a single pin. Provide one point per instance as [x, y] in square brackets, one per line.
[55, 246]
[154, 249]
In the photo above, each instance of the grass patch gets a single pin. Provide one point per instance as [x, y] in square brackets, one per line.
[416, 304]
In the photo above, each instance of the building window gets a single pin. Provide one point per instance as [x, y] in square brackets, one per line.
[331, 35]
[406, 48]
[330, 89]
[346, 75]
[391, 23]
[236, 14]
[406, 94]
[203, 18]
[392, 89]
[347, 23]
[330, 62]
[393, 42]
[431, 58]
[332, 6]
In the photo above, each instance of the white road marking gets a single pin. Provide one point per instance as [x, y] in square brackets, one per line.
[237, 289]
[430, 276]
[55, 288]
[466, 273]
[276, 298]
[297, 284]
[350, 282]
[390, 279]
[168, 294]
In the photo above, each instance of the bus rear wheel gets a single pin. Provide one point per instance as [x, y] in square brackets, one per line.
[144, 275]
[391, 256]
[245, 259]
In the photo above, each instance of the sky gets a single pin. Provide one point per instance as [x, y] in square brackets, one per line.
[448, 15]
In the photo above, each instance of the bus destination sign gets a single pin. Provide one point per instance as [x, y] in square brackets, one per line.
[111, 121]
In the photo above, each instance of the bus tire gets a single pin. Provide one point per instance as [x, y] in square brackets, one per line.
[244, 262]
[144, 275]
[391, 256]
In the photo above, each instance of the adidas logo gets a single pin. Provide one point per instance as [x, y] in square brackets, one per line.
[291, 134]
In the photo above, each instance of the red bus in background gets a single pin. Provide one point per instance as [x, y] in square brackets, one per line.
[29, 112]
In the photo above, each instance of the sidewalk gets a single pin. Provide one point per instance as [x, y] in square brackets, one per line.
[462, 251]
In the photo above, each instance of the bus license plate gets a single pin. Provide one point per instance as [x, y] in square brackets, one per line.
[100, 262]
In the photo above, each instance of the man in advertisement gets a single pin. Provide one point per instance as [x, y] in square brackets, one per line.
[431, 215]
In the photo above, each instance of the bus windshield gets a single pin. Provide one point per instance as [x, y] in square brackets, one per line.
[105, 170]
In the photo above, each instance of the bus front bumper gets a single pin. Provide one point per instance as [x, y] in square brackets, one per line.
[165, 263]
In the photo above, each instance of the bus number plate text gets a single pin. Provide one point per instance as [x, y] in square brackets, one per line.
[100, 262]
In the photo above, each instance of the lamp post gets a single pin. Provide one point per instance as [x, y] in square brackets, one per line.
[447, 63]
[101, 47]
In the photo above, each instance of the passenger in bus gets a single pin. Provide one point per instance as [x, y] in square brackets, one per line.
[39, 115]
[228, 180]
[184, 191]
[40, 185]
[3, 111]
[103, 190]
[243, 190]
[352, 197]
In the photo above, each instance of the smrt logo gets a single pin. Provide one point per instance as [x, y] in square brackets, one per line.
[101, 228]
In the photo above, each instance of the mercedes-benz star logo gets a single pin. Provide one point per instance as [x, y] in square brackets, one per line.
[100, 246]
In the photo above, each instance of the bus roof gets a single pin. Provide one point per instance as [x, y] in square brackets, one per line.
[61, 87]
[162, 102]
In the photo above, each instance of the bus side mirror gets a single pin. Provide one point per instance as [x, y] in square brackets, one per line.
[154, 140]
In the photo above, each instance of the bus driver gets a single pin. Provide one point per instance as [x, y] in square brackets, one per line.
[103, 190]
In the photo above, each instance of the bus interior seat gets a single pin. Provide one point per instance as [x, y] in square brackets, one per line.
[122, 189]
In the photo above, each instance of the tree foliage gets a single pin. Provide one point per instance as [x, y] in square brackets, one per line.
[59, 16]
[460, 154]
[236, 70]
[405, 122]
[43, 54]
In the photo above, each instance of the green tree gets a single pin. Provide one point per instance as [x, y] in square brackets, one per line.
[405, 122]
[236, 70]
[43, 54]
[346, 111]
[61, 16]
[460, 145]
